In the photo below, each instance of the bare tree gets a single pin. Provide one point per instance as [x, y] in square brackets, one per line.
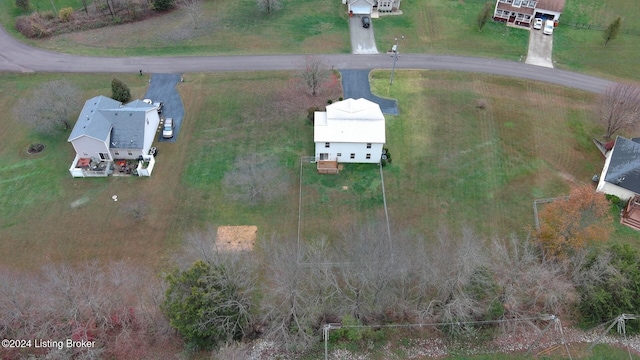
[289, 309]
[620, 108]
[51, 107]
[314, 73]
[528, 286]
[89, 302]
[194, 10]
[269, 6]
[454, 265]
[256, 179]
[366, 271]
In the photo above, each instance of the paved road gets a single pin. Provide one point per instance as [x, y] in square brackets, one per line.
[18, 57]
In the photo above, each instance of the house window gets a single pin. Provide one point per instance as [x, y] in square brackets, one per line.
[104, 156]
[85, 154]
[339, 154]
[353, 155]
[117, 153]
[368, 156]
[326, 145]
[369, 146]
[516, 3]
[129, 152]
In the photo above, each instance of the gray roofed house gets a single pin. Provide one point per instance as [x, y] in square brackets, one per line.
[107, 131]
[621, 173]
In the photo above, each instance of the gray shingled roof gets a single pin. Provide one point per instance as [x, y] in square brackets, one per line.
[90, 122]
[624, 166]
[101, 116]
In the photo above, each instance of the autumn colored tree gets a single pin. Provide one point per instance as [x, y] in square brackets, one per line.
[569, 224]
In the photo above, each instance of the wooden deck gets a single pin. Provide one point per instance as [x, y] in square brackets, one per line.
[631, 214]
[328, 167]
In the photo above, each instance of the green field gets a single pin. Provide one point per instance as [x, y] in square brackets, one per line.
[454, 165]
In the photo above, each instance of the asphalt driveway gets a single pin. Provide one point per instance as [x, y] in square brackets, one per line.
[362, 40]
[540, 49]
[355, 84]
[162, 87]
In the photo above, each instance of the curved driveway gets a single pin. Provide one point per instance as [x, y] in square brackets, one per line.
[18, 57]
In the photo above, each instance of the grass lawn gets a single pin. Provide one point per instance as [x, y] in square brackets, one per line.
[453, 164]
[334, 203]
[582, 49]
[449, 27]
[457, 165]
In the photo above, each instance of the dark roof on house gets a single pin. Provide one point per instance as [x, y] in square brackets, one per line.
[551, 5]
[102, 116]
[624, 166]
[519, 9]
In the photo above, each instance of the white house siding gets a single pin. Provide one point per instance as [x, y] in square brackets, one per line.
[87, 147]
[609, 188]
[127, 153]
[152, 122]
[346, 149]
[360, 7]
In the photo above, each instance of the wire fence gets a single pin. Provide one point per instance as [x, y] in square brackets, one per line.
[599, 27]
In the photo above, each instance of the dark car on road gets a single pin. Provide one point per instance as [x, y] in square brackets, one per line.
[366, 22]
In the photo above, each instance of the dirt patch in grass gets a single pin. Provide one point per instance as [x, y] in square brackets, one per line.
[236, 238]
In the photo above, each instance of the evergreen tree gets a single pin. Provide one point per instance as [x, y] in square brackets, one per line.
[484, 15]
[204, 305]
[120, 91]
[612, 31]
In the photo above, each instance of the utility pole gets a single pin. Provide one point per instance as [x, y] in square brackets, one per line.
[394, 49]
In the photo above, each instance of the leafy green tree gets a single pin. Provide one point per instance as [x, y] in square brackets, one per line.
[205, 306]
[120, 91]
[612, 31]
[163, 5]
[609, 285]
[484, 15]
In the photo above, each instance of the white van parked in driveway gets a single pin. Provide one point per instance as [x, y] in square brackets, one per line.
[548, 27]
[167, 129]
